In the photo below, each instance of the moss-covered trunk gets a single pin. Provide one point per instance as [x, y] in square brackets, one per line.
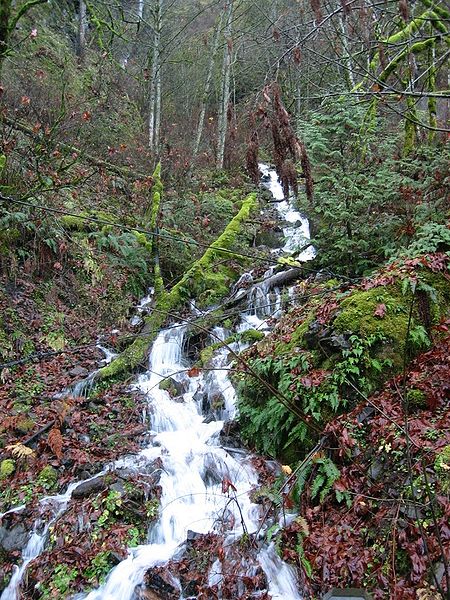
[208, 279]
[5, 14]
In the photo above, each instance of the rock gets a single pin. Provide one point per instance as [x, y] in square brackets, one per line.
[174, 387]
[118, 487]
[161, 582]
[92, 486]
[191, 536]
[143, 594]
[230, 435]
[15, 538]
[78, 371]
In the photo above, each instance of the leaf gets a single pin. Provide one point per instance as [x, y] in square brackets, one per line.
[55, 441]
[20, 450]
[194, 372]
[227, 485]
[380, 311]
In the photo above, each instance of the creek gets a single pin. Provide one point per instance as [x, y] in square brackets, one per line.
[184, 434]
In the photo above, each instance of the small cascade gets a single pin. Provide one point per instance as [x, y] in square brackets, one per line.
[281, 577]
[194, 466]
[56, 505]
[185, 432]
[296, 235]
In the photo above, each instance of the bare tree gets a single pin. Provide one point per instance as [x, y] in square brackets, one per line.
[225, 81]
[154, 118]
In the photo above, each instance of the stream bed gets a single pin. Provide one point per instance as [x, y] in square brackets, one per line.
[206, 487]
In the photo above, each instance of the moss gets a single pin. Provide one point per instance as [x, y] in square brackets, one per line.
[252, 335]
[357, 316]
[416, 399]
[48, 477]
[442, 467]
[25, 424]
[7, 468]
[297, 336]
[77, 223]
[204, 278]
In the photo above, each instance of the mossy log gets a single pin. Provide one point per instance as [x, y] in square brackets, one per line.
[208, 278]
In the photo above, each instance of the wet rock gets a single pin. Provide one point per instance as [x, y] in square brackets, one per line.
[143, 594]
[118, 487]
[272, 238]
[230, 435]
[14, 538]
[87, 488]
[174, 387]
[162, 582]
[192, 536]
[78, 371]
[316, 335]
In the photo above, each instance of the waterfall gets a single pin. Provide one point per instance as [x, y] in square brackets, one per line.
[187, 445]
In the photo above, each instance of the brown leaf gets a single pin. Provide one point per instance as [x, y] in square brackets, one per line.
[380, 311]
[194, 372]
[55, 441]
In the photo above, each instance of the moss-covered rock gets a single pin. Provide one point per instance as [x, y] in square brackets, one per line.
[325, 354]
[7, 468]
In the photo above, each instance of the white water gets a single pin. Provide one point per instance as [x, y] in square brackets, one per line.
[57, 505]
[194, 464]
[297, 235]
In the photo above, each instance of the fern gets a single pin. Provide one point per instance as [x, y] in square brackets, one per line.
[326, 476]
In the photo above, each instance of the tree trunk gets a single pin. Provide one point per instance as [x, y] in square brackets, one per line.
[5, 13]
[82, 26]
[225, 78]
[348, 67]
[140, 10]
[154, 118]
[209, 77]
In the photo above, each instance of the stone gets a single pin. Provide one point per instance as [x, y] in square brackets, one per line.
[15, 538]
[87, 488]
[78, 371]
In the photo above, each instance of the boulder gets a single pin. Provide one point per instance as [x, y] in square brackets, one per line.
[92, 486]
[78, 371]
[13, 538]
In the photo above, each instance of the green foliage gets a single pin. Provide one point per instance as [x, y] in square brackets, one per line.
[271, 426]
[442, 467]
[368, 201]
[48, 477]
[60, 584]
[98, 568]
[326, 475]
[28, 386]
[7, 468]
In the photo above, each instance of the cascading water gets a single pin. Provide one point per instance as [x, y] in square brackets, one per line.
[296, 235]
[194, 465]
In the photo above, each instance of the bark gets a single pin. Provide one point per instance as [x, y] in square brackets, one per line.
[140, 10]
[225, 79]
[207, 89]
[154, 119]
[82, 26]
[348, 66]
